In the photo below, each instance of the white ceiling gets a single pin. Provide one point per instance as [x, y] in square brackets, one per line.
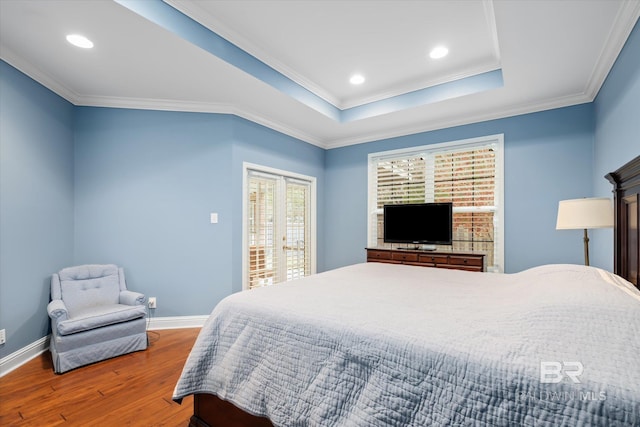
[550, 53]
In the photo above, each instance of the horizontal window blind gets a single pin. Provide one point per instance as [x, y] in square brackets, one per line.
[401, 180]
[468, 175]
[297, 230]
[261, 228]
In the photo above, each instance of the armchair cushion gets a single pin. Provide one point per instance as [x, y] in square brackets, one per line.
[88, 286]
[98, 316]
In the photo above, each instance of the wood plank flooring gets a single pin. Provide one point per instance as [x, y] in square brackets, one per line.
[130, 390]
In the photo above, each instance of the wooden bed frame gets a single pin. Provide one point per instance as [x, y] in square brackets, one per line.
[626, 195]
[211, 411]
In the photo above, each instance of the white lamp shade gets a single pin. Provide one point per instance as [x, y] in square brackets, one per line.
[585, 213]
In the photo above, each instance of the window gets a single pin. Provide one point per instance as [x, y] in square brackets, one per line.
[279, 230]
[467, 173]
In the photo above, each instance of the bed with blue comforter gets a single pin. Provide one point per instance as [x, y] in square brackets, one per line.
[395, 345]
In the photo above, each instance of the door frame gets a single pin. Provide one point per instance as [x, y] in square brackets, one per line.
[246, 166]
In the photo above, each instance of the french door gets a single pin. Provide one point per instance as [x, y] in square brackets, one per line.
[279, 241]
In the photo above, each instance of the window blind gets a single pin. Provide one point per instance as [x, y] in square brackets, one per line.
[297, 230]
[261, 227]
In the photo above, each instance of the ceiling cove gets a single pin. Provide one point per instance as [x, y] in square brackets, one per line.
[178, 23]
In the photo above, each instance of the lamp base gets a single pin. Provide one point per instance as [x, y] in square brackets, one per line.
[586, 248]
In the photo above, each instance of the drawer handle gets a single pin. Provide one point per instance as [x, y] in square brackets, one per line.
[464, 260]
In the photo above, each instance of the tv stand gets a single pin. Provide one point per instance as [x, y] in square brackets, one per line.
[468, 261]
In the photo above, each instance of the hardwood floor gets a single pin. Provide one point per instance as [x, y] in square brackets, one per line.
[130, 390]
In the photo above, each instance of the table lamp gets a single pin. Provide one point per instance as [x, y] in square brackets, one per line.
[595, 212]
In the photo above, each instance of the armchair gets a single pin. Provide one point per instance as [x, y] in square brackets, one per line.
[93, 316]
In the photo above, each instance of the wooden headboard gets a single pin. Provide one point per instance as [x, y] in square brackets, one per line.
[626, 195]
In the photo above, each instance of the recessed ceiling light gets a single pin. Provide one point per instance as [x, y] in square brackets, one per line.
[356, 79]
[438, 52]
[80, 41]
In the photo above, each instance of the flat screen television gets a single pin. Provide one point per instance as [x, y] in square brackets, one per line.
[419, 223]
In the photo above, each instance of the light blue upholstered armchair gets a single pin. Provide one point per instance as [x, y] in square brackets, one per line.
[93, 316]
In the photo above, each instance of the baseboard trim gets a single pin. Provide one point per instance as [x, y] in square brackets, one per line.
[176, 322]
[22, 356]
[25, 354]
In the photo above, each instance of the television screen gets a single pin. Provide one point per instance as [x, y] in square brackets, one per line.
[422, 223]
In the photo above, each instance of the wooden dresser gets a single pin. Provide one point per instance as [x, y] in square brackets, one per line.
[455, 260]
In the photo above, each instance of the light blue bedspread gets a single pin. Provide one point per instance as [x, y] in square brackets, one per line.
[392, 345]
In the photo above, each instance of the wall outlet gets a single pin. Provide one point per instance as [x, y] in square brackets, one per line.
[3, 336]
[152, 302]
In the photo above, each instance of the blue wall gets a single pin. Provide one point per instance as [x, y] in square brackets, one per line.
[36, 203]
[548, 157]
[146, 182]
[617, 133]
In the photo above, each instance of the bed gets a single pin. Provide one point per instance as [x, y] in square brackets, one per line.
[397, 345]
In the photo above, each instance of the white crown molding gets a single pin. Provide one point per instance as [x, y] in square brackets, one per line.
[627, 16]
[201, 107]
[279, 127]
[560, 102]
[149, 104]
[153, 104]
[196, 107]
[423, 84]
[61, 90]
[188, 106]
[25, 354]
[38, 75]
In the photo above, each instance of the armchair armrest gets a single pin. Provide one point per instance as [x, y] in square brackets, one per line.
[57, 310]
[131, 298]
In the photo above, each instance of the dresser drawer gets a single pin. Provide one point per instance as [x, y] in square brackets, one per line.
[434, 259]
[381, 255]
[402, 256]
[464, 260]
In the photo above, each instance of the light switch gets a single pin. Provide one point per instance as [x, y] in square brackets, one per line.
[214, 218]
